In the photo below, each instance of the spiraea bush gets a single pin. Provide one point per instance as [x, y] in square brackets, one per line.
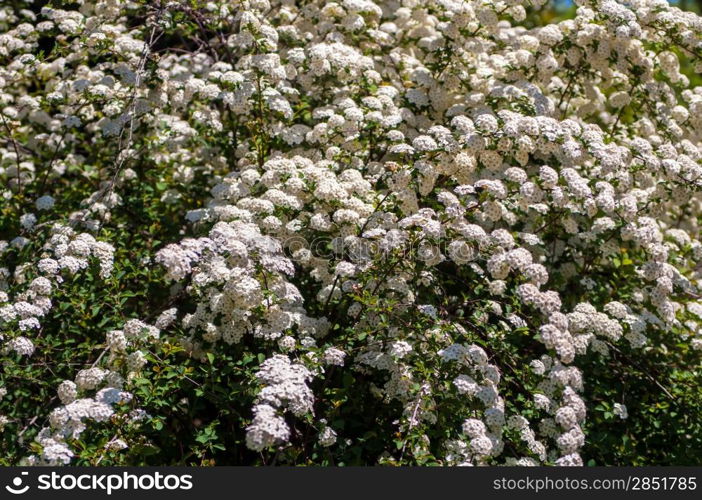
[438, 232]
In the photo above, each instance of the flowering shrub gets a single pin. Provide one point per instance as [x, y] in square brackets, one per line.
[276, 232]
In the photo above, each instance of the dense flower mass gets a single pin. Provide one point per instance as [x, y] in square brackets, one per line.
[399, 232]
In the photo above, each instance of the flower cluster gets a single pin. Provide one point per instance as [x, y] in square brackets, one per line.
[65, 252]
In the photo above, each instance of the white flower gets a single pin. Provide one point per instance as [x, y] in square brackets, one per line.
[327, 437]
[400, 349]
[620, 411]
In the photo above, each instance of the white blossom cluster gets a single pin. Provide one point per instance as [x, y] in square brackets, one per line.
[93, 394]
[356, 153]
[65, 253]
[285, 388]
